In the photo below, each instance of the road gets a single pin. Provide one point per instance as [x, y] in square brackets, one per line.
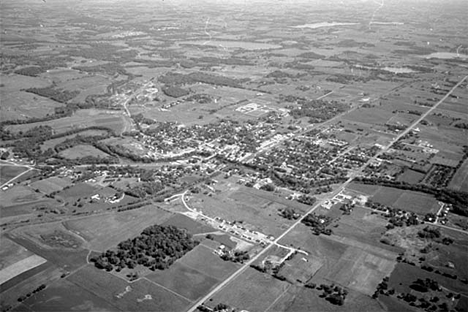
[8, 163]
[318, 204]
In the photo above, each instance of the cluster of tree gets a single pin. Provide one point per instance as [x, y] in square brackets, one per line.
[347, 208]
[175, 91]
[382, 288]
[269, 187]
[290, 214]
[458, 199]
[439, 176]
[216, 61]
[61, 96]
[32, 71]
[461, 125]
[430, 233]
[112, 68]
[140, 119]
[171, 79]
[200, 98]
[38, 289]
[219, 307]
[437, 271]
[279, 74]
[104, 52]
[311, 55]
[156, 248]
[144, 189]
[333, 293]
[318, 223]
[425, 285]
[307, 200]
[236, 256]
[318, 110]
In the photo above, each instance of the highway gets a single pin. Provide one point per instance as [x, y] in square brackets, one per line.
[351, 177]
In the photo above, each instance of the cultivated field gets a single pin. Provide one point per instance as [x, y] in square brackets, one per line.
[360, 270]
[115, 292]
[406, 200]
[460, 179]
[107, 230]
[183, 280]
[52, 184]
[247, 292]
[80, 151]
[17, 195]
[8, 172]
[244, 204]
[19, 267]
[81, 119]
[66, 296]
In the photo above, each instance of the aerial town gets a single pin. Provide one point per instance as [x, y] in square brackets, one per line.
[235, 156]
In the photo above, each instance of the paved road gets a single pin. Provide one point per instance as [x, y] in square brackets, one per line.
[351, 177]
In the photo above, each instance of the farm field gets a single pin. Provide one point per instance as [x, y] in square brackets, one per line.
[406, 200]
[240, 204]
[50, 185]
[20, 105]
[404, 275]
[80, 151]
[299, 298]
[142, 295]
[411, 176]
[19, 267]
[202, 259]
[247, 292]
[8, 172]
[107, 230]
[192, 226]
[364, 227]
[460, 179]
[360, 270]
[81, 119]
[53, 243]
[28, 207]
[66, 296]
[53, 142]
[187, 282]
[18, 194]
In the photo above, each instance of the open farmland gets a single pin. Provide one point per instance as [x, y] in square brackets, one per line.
[364, 227]
[21, 105]
[202, 259]
[19, 267]
[247, 292]
[81, 119]
[184, 280]
[460, 179]
[184, 222]
[258, 213]
[299, 298]
[8, 172]
[52, 184]
[66, 296]
[106, 231]
[53, 142]
[406, 200]
[80, 151]
[18, 194]
[360, 270]
[141, 295]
